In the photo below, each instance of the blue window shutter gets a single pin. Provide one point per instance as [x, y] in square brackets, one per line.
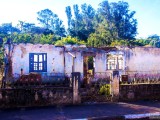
[31, 62]
[45, 62]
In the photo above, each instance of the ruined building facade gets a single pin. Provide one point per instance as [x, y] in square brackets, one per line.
[63, 60]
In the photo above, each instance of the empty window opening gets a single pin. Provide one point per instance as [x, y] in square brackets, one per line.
[114, 62]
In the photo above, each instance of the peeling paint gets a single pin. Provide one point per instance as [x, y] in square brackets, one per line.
[59, 61]
[143, 59]
[23, 49]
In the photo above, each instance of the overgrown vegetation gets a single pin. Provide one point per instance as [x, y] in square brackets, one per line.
[105, 90]
[112, 24]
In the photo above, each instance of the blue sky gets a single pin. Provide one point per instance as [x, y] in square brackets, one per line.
[147, 11]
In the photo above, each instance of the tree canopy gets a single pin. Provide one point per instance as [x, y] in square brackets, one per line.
[50, 21]
[111, 24]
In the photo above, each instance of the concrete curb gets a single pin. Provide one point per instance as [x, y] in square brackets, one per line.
[146, 115]
[149, 116]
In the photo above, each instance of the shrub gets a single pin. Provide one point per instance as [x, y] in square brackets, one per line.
[105, 89]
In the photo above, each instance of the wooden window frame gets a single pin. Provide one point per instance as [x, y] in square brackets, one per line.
[38, 66]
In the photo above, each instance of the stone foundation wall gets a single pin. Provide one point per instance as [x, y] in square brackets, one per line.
[29, 97]
[139, 92]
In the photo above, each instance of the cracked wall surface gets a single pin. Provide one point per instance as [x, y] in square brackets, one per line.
[142, 59]
[68, 59]
[20, 57]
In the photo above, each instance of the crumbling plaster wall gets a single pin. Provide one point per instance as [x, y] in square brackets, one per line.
[78, 63]
[142, 59]
[100, 63]
[20, 57]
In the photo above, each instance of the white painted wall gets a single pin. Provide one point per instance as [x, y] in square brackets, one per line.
[55, 58]
[68, 64]
[100, 62]
[142, 59]
[20, 57]
[78, 63]
[58, 61]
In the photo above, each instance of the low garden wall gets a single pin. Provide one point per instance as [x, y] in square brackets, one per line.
[143, 91]
[35, 96]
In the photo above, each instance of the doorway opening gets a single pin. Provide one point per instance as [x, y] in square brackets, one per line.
[88, 69]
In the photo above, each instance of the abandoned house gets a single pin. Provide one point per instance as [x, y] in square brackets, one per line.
[50, 60]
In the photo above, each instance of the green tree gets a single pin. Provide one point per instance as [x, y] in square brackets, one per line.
[35, 38]
[154, 37]
[125, 23]
[1, 57]
[76, 23]
[50, 21]
[69, 15]
[58, 27]
[45, 17]
[7, 28]
[140, 42]
[25, 27]
[22, 38]
[154, 40]
[82, 24]
[119, 18]
[102, 35]
[69, 40]
[88, 14]
[120, 43]
[46, 39]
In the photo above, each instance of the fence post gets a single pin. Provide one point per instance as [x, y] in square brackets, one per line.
[1, 96]
[115, 85]
[75, 85]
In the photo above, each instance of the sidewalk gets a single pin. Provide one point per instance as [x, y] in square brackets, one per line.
[85, 111]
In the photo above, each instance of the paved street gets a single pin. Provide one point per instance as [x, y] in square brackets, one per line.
[80, 111]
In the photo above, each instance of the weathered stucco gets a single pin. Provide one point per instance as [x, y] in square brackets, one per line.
[141, 59]
[67, 59]
[100, 63]
[76, 63]
[59, 59]
[20, 57]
